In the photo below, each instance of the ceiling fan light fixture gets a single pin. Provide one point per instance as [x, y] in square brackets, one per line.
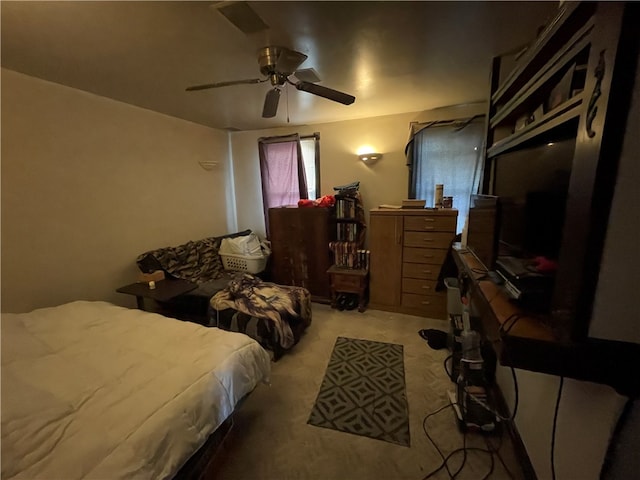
[277, 64]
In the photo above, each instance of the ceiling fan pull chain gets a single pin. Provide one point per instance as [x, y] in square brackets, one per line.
[287, 93]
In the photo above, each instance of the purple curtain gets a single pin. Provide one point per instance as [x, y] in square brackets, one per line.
[282, 172]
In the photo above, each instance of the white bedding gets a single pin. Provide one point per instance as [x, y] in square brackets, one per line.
[93, 390]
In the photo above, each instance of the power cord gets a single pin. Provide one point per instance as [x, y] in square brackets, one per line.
[490, 449]
[514, 318]
[446, 369]
[496, 450]
[465, 449]
[553, 432]
[444, 463]
[446, 459]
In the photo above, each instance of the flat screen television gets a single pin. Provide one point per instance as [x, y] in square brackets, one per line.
[522, 219]
[532, 188]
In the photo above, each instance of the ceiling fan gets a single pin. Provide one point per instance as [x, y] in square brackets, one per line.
[278, 64]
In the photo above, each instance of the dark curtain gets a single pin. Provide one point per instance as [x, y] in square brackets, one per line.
[282, 173]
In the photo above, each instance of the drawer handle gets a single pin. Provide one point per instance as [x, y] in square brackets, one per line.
[428, 256]
[426, 303]
[428, 239]
[428, 227]
[429, 219]
[426, 271]
[426, 287]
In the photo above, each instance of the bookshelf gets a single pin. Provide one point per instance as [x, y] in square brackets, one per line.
[348, 249]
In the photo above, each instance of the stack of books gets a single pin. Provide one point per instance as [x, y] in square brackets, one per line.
[410, 203]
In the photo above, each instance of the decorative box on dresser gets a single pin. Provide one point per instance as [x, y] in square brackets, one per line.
[408, 248]
[300, 254]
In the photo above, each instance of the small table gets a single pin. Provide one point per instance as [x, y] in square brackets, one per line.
[349, 280]
[165, 290]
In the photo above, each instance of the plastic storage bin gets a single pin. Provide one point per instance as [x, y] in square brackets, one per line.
[244, 263]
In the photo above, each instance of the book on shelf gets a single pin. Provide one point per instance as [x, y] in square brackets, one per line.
[346, 207]
[347, 232]
[348, 255]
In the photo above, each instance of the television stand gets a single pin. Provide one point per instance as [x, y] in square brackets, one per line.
[527, 340]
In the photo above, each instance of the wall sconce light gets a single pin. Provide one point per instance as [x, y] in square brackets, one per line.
[208, 164]
[370, 158]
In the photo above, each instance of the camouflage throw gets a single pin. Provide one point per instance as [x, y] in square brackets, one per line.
[196, 261]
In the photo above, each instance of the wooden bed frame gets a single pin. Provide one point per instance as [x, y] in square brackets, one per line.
[202, 464]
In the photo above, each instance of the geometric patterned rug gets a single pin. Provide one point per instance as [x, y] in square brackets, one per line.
[363, 391]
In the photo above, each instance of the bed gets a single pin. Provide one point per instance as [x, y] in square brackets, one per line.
[94, 390]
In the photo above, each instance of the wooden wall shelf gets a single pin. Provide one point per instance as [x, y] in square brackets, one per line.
[554, 36]
[555, 119]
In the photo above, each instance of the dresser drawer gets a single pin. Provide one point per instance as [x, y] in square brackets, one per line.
[435, 303]
[419, 286]
[428, 239]
[420, 270]
[344, 282]
[430, 224]
[433, 256]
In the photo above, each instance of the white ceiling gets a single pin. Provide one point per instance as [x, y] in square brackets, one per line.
[395, 57]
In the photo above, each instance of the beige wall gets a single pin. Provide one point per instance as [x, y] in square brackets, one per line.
[89, 183]
[586, 418]
[383, 182]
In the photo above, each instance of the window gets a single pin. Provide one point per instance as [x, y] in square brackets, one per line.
[289, 169]
[311, 158]
[448, 153]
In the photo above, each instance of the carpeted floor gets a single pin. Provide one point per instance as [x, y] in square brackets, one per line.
[271, 439]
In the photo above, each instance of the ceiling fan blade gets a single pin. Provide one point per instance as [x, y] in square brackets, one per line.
[271, 103]
[289, 60]
[225, 84]
[307, 75]
[325, 92]
[242, 16]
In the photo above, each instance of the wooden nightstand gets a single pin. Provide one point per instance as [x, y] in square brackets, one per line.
[165, 291]
[349, 280]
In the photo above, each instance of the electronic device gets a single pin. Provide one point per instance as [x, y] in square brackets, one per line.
[531, 289]
[525, 208]
[532, 188]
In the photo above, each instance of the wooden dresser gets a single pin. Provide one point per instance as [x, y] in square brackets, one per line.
[408, 248]
[300, 255]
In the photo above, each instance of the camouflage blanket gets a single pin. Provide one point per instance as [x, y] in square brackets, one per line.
[197, 261]
[248, 294]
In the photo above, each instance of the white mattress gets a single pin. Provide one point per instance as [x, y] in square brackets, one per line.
[93, 390]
